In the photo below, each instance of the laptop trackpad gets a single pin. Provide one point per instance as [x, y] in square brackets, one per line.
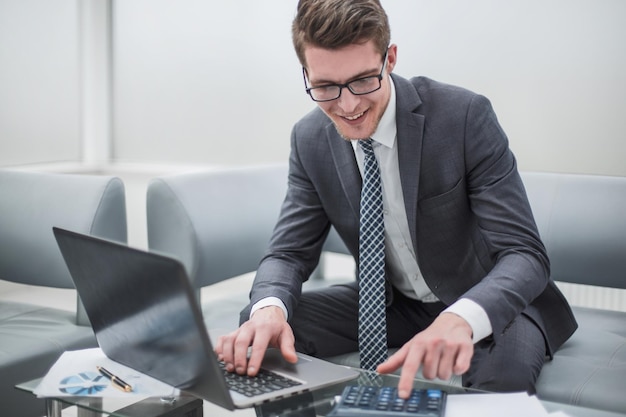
[273, 359]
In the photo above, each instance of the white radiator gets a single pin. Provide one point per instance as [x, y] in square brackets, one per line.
[597, 297]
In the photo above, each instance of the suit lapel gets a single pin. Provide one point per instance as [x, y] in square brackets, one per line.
[347, 169]
[410, 131]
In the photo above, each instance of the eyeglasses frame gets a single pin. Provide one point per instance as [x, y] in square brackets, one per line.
[346, 85]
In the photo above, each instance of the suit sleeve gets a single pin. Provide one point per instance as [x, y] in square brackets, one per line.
[504, 219]
[297, 240]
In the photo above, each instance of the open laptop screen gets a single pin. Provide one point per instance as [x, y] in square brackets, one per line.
[143, 312]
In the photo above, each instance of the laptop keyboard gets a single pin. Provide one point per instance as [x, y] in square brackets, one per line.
[265, 381]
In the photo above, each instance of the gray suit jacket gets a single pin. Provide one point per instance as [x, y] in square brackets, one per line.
[472, 227]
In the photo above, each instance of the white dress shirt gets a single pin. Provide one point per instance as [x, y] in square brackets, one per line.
[402, 264]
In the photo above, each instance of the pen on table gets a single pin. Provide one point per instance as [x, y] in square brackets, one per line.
[115, 380]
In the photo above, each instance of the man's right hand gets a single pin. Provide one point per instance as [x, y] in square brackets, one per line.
[266, 328]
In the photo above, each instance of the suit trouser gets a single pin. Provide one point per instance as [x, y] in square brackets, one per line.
[325, 324]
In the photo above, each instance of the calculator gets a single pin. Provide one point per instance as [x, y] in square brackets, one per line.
[358, 400]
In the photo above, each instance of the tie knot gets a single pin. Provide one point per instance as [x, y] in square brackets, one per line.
[366, 145]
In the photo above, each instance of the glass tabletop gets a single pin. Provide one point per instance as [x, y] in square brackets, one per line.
[311, 404]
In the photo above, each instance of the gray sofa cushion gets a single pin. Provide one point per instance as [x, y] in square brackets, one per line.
[31, 339]
[590, 368]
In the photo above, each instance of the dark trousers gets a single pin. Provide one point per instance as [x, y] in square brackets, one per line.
[325, 324]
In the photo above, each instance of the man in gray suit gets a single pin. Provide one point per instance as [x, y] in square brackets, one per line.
[468, 288]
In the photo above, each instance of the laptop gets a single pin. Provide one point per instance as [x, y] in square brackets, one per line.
[145, 315]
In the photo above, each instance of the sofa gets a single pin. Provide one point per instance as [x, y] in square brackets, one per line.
[218, 223]
[32, 337]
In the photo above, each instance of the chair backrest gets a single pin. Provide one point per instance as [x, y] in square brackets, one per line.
[31, 203]
[582, 222]
[217, 222]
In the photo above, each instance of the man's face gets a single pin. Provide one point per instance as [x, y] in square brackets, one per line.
[355, 116]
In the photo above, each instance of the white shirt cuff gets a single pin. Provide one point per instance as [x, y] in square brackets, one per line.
[475, 315]
[269, 301]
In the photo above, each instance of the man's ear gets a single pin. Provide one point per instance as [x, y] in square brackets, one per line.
[392, 56]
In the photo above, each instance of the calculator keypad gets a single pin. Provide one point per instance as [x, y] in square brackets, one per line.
[384, 401]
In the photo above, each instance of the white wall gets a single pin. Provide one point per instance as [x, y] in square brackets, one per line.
[196, 82]
[200, 82]
[39, 95]
[554, 70]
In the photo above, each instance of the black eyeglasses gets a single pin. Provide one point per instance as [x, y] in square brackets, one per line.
[358, 87]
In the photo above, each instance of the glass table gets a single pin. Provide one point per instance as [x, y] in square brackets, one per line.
[311, 404]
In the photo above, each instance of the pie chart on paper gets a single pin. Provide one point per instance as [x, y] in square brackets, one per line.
[84, 383]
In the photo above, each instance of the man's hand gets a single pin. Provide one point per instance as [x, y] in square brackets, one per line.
[442, 349]
[266, 328]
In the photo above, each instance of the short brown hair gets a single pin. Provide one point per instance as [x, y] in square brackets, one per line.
[333, 24]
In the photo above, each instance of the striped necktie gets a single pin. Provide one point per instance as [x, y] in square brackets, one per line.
[372, 316]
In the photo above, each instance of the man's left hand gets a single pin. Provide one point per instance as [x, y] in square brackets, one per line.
[442, 349]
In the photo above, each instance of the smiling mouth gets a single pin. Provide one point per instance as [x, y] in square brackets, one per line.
[355, 117]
